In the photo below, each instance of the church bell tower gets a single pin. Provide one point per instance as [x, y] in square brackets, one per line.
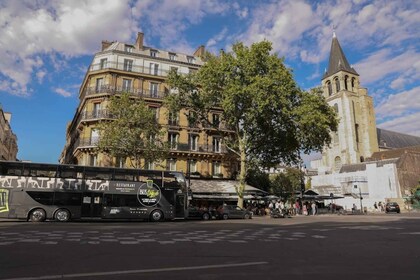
[356, 137]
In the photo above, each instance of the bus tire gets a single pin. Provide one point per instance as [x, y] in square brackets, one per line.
[37, 215]
[156, 216]
[225, 216]
[62, 215]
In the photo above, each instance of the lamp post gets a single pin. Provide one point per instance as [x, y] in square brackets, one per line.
[361, 198]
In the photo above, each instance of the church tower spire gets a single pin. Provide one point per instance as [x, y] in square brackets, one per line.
[356, 138]
[338, 61]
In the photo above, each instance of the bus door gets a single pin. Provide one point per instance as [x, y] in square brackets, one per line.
[92, 204]
[180, 205]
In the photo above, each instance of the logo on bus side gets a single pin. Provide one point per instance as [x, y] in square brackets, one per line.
[149, 194]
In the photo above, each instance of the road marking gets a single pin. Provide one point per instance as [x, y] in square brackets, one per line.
[417, 233]
[121, 272]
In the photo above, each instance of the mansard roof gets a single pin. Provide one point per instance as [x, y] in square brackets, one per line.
[393, 140]
[338, 61]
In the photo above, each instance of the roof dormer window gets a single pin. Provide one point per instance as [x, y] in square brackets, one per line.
[128, 48]
[153, 53]
[190, 59]
[172, 56]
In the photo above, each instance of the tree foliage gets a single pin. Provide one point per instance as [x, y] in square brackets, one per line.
[133, 132]
[271, 118]
[286, 183]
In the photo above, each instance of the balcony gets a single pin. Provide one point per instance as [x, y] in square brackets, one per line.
[131, 68]
[111, 90]
[184, 147]
[94, 115]
[87, 142]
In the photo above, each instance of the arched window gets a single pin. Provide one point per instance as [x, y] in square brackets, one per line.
[362, 159]
[353, 81]
[346, 79]
[337, 84]
[329, 88]
[336, 108]
[337, 163]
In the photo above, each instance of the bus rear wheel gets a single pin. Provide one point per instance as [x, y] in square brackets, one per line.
[37, 215]
[62, 215]
[156, 216]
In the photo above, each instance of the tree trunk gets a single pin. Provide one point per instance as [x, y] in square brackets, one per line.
[242, 175]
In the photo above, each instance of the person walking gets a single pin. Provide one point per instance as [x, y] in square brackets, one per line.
[313, 206]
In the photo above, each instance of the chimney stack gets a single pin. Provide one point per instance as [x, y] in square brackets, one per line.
[200, 51]
[139, 40]
[105, 45]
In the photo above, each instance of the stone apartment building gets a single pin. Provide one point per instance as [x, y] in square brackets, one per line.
[8, 140]
[142, 71]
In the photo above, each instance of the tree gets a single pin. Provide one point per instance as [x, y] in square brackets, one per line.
[270, 118]
[286, 183]
[132, 133]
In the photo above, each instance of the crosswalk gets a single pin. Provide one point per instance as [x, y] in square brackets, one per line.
[136, 237]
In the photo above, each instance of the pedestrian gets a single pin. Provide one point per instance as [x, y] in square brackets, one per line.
[313, 206]
[375, 206]
[354, 209]
[304, 210]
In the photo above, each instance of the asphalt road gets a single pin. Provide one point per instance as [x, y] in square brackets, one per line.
[320, 247]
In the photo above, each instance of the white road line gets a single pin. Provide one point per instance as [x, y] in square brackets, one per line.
[93, 274]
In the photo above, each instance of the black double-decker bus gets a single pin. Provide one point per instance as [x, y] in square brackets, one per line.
[37, 192]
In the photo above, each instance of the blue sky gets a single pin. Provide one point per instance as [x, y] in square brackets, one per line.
[46, 47]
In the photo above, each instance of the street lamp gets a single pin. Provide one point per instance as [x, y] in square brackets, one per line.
[361, 198]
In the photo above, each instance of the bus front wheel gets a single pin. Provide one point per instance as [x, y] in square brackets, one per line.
[37, 215]
[62, 215]
[156, 216]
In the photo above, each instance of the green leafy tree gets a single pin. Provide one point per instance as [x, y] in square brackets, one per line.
[270, 118]
[286, 183]
[133, 133]
[256, 177]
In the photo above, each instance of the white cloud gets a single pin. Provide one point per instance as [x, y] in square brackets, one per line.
[70, 28]
[408, 124]
[62, 92]
[398, 104]
[40, 75]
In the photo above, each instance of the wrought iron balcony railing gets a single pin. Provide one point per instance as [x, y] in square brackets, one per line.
[108, 89]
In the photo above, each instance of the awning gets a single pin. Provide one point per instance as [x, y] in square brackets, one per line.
[221, 189]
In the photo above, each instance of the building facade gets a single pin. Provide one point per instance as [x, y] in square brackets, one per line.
[142, 71]
[8, 140]
[363, 163]
[356, 138]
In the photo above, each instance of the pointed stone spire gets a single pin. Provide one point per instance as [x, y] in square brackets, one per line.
[338, 61]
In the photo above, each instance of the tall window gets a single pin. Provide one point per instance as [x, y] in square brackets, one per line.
[193, 142]
[329, 86]
[99, 84]
[126, 85]
[119, 162]
[154, 68]
[155, 111]
[173, 119]
[337, 163]
[171, 164]
[353, 82]
[153, 53]
[356, 128]
[94, 136]
[96, 110]
[217, 168]
[193, 165]
[216, 144]
[93, 160]
[103, 63]
[150, 165]
[337, 84]
[172, 56]
[173, 140]
[190, 59]
[216, 120]
[128, 65]
[154, 89]
[346, 80]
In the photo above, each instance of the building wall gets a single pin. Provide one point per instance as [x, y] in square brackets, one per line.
[8, 140]
[379, 182]
[111, 74]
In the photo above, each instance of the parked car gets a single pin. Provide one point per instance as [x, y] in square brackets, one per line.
[233, 212]
[199, 213]
[392, 207]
